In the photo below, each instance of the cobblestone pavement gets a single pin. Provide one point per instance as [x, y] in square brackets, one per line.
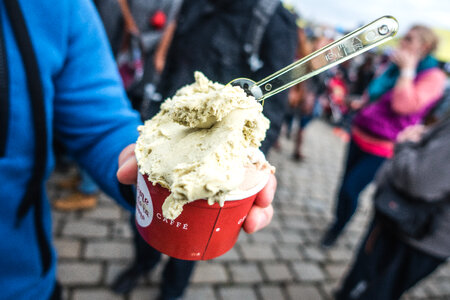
[283, 261]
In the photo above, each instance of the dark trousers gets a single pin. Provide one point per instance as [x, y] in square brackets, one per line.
[385, 267]
[360, 170]
[176, 272]
[57, 292]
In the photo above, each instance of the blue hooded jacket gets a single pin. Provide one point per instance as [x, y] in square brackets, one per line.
[85, 106]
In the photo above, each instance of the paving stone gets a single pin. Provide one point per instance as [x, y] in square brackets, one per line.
[231, 255]
[438, 289]
[257, 251]
[112, 212]
[444, 270]
[245, 273]
[329, 288]
[108, 250]
[209, 273]
[418, 291]
[297, 291]
[314, 253]
[141, 293]
[68, 248]
[97, 294]
[340, 254]
[199, 293]
[122, 230]
[265, 236]
[306, 271]
[73, 273]
[294, 222]
[289, 252]
[112, 271]
[238, 292]
[243, 237]
[273, 292]
[336, 270]
[291, 236]
[277, 272]
[85, 229]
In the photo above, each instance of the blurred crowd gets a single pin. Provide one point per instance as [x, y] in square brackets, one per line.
[391, 106]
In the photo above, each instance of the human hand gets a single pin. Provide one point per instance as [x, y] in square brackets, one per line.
[159, 63]
[261, 212]
[127, 173]
[259, 216]
[411, 134]
[405, 59]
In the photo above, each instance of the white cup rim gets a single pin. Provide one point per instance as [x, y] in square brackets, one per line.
[240, 195]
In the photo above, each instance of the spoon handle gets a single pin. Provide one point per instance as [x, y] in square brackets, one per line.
[352, 44]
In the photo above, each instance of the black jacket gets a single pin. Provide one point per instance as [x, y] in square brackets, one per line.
[210, 37]
[422, 170]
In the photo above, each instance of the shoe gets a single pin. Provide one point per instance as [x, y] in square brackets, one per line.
[126, 281]
[329, 238]
[76, 201]
[298, 156]
[70, 183]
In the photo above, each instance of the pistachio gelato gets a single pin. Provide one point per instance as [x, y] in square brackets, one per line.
[203, 143]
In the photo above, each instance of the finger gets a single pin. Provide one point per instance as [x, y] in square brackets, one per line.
[258, 218]
[265, 196]
[126, 153]
[127, 173]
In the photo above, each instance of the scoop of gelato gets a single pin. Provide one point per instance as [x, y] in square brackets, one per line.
[202, 143]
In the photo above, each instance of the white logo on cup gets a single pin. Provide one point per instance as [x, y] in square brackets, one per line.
[144, 205]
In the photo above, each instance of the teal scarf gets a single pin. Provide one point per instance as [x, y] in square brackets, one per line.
[387, 80]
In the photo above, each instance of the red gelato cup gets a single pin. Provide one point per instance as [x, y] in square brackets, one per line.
[201, 231]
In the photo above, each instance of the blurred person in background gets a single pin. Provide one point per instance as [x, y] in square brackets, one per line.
[364, 74]
[304, 97]
[224, 39]
[398, 98]
[137, 31]
[393, 258]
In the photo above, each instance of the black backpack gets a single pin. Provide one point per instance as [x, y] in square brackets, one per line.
[218, 40]
[227, 39]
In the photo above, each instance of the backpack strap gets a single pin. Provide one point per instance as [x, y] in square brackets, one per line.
[262, 12]
[33, 193]
[130, 23]
[4, 94]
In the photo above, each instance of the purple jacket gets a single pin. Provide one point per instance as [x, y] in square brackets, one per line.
[380, 120]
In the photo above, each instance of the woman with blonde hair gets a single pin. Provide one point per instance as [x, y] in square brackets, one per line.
[398, 98]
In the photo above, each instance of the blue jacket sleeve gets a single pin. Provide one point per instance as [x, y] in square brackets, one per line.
[92, 115]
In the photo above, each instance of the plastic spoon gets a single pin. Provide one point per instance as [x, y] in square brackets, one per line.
[352, 44]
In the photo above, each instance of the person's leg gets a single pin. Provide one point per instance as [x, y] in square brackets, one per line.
[385, 268]
[303, 122]
[289, 120]
[176, 277]
[360, 176]
[145, 259]
[357, 278]
[84, 197]
[360, 170]
[57, 292]
[413, 267]
[87, 184]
